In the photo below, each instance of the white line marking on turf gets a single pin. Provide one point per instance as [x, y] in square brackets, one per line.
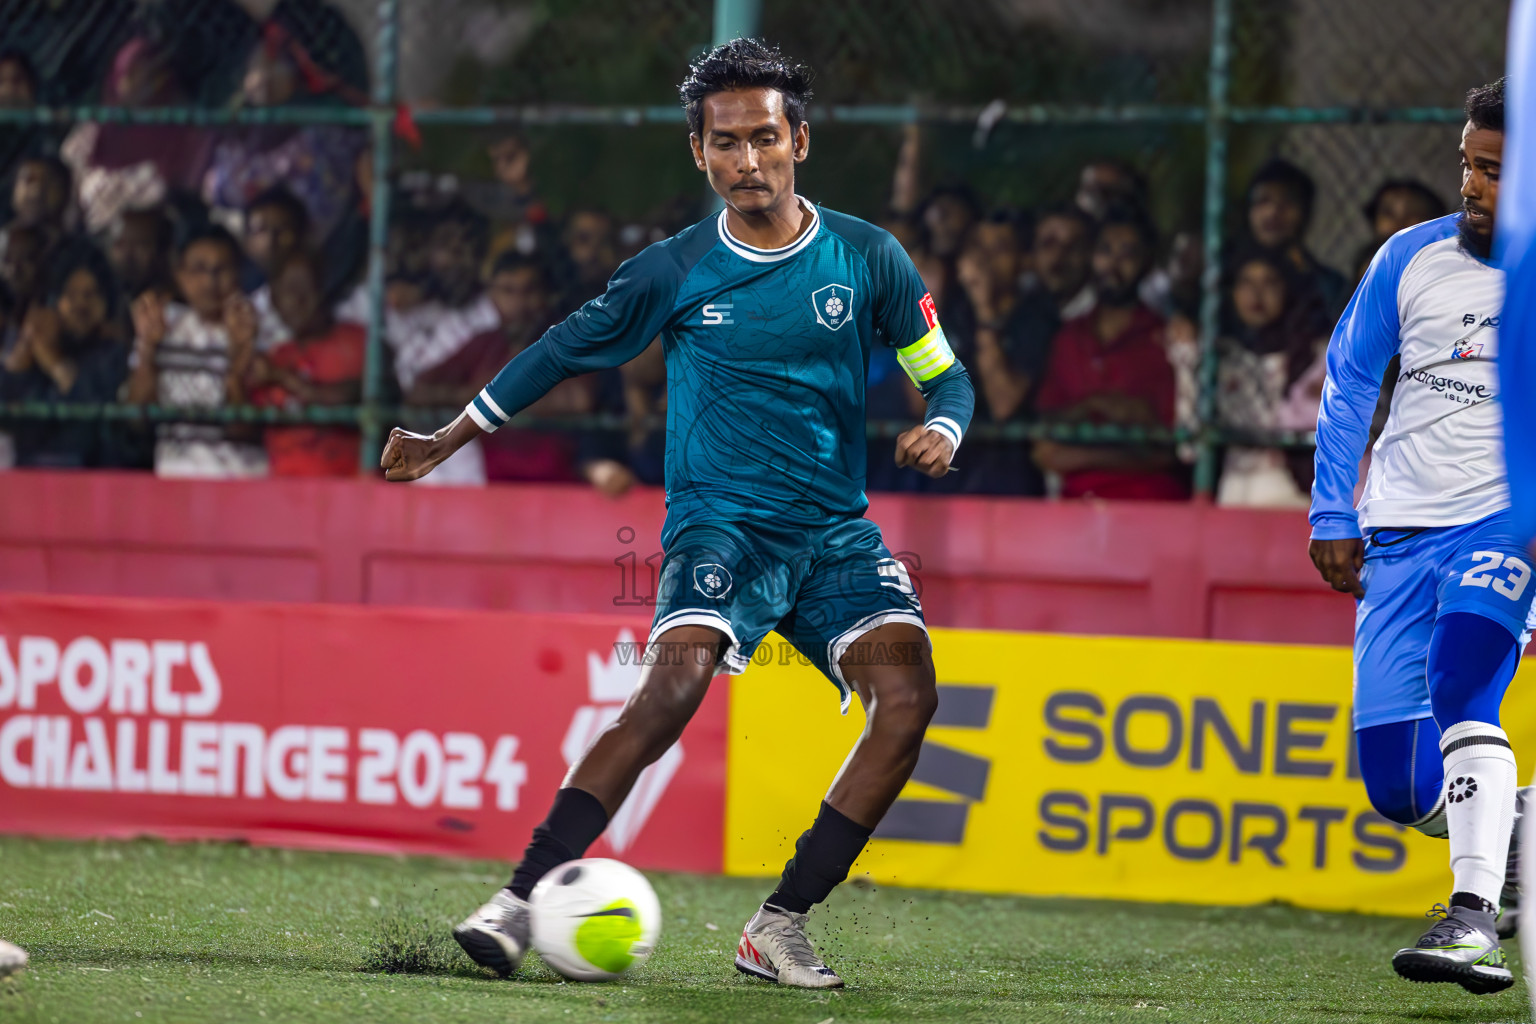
[103, 913]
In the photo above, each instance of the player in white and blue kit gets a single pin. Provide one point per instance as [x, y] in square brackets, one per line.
[1443, 580]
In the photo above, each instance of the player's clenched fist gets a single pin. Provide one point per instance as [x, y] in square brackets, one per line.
[926, 451]
[409, 456]
[1339, 562]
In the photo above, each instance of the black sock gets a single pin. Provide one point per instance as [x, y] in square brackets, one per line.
[575, 821]
[1472, 901]
[823, 855]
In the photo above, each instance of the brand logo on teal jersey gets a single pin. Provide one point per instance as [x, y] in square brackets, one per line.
[833, 305]
[712, 580]
[717, 313]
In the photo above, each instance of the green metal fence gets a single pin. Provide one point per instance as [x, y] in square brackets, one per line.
[1202, 87]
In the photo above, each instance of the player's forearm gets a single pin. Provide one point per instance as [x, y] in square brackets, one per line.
[1362, 345]
[951, 401]
[454, 436]
[530, 375]
[1343, 428]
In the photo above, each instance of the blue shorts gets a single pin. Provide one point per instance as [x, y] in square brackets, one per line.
[1411, 578]
[820, 589]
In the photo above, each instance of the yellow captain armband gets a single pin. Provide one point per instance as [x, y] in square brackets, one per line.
[927, 357]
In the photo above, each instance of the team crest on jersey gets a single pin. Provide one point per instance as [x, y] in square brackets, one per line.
[833, 305]
[712, 580]
[1465, 349]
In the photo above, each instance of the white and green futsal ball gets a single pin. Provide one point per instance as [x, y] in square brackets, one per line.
[594, 919]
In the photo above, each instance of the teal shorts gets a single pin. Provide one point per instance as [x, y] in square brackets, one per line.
[822, 589]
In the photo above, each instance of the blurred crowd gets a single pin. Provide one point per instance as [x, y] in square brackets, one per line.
[201, 267]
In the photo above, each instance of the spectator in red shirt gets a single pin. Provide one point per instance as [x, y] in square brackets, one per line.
[322, 364]
[1109, 367]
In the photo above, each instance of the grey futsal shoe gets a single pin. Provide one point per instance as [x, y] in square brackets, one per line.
[774, 947]
[1462, 947]
[496, 935]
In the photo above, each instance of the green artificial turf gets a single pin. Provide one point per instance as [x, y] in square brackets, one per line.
[212, 932]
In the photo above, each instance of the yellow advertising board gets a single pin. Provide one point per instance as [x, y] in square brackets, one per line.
[1145, 769]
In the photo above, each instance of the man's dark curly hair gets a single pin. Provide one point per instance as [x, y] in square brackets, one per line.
[1485, 106]
[745, 64]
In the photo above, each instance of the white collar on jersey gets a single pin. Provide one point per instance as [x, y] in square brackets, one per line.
[756, 255]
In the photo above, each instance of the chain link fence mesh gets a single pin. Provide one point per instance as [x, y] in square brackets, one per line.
[1353, 91]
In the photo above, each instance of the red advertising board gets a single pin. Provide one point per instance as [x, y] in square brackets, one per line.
[424, 731]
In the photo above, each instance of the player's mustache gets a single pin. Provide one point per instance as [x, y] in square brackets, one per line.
[750, 183]
[1471, 207]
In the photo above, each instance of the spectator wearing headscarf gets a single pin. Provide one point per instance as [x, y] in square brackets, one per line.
[317, 163]
[1269, 377]
[122, 167]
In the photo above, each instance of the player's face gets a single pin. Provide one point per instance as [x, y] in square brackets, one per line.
[1482, 152]
[749, 150]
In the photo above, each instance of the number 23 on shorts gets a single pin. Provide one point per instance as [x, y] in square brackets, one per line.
[1485, 563]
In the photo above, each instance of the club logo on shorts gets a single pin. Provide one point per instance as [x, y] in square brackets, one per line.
[833, 305]
[1461, 789]
[712, 580]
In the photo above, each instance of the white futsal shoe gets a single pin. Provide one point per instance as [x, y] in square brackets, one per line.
[496, 935]
[774, 947]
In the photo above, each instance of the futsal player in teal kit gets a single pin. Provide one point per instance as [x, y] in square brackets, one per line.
[767, 314]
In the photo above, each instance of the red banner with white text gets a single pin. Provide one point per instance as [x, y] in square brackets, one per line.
[332, 726]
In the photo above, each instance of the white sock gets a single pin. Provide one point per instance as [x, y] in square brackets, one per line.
[1480, 783]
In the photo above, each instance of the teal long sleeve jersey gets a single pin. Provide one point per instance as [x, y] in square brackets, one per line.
[767, 353]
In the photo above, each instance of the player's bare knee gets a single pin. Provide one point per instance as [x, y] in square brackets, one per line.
[665, 701]
[903, 707]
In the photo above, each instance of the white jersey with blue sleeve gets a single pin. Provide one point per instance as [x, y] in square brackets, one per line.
[1439, 461]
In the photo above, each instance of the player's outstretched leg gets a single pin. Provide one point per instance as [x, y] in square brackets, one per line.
[669, 692]
[899, 699]
[1471, 661]
[12, 958]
